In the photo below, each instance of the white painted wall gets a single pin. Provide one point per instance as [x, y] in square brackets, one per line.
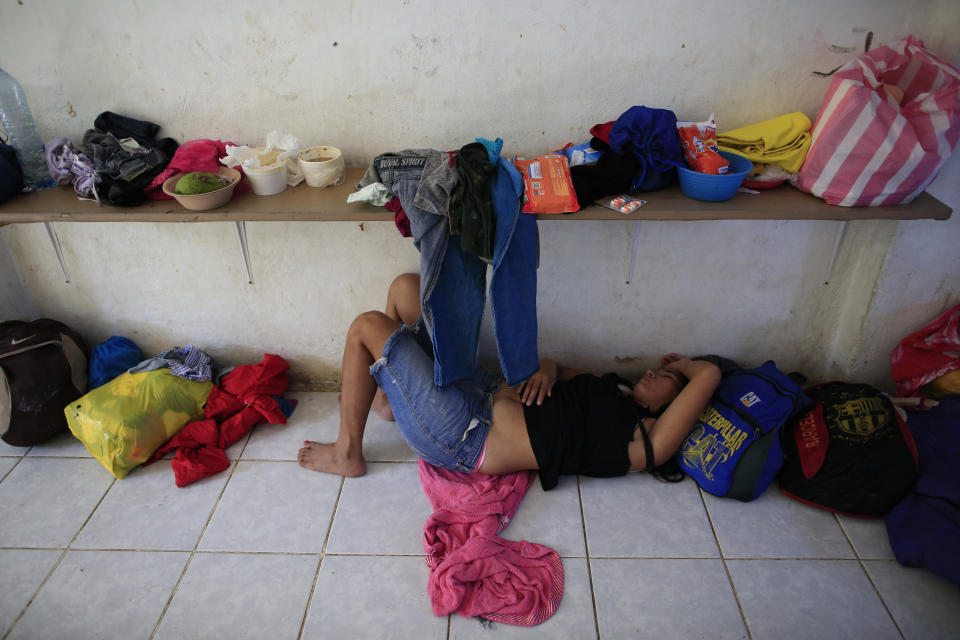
[15, 303]
[370, 77]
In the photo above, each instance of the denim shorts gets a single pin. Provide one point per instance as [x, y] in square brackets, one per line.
[448, 426]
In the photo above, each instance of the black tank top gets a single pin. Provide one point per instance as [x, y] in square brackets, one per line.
[584, 427]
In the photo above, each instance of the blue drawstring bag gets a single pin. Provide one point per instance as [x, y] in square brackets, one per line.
[650, 136]
[110, 358]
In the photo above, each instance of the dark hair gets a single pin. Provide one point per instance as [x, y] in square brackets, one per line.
[669, 471]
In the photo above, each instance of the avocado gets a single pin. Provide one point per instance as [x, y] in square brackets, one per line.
[199, 182]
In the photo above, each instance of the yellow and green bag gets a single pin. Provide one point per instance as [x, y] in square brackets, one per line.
[124, 421]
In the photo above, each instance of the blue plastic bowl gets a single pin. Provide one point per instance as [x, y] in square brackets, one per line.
[711, 188]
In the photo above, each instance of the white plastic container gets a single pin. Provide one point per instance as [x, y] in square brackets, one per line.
[321, 166]
[271, 177]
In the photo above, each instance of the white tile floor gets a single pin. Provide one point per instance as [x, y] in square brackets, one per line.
[269, 550]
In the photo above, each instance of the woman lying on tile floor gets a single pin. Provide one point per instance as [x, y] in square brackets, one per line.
[560, 421]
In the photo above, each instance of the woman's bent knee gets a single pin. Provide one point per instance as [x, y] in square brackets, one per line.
[371, 321]
[405, 282]
[371, 329]
[403, 299]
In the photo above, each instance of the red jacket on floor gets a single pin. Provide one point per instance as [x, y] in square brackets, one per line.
[243, 398]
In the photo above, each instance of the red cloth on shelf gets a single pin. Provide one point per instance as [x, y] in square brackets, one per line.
[399, 217]
[602, 131]
[193, 155]
[243, 398]
[473, 571]
[925, 355]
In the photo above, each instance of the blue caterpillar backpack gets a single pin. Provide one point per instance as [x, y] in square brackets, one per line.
[734, 449]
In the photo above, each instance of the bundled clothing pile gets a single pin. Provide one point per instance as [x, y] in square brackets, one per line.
[474, 572]
[924, 528]
[640, 152]
[246, 396]
[118, 160]
[132, 412]
[137, 410]
[127, 156]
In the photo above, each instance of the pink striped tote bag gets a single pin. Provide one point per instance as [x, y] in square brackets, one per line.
[887, 124]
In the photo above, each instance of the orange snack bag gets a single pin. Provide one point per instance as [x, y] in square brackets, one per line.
[699, 142]
[547, 185]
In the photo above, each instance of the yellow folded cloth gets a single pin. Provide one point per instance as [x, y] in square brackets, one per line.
[783, 141]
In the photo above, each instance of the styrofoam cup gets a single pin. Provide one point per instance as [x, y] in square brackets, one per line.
[321, 166]
[268, 180]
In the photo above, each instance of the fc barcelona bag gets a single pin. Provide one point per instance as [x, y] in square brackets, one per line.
[734, 449]
[852, 453]
[43, 368]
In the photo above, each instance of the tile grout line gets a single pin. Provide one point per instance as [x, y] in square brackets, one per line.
[726, 569]
[735, 559]
[869, 577]
[321, 556]
[586, 550]
[186, 566]
[90, 515]
[63, 554]
[41, 456]
[15, 465]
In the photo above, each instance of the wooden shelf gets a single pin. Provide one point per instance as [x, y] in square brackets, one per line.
[304, 203]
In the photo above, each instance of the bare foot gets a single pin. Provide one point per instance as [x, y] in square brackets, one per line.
[381, 406]
[326, 458]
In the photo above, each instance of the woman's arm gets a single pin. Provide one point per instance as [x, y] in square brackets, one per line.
[540, 384]
[675, 423]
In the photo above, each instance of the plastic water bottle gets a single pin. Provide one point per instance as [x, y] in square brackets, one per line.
[17, 121]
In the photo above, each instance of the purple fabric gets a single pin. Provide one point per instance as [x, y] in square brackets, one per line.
[67, 165]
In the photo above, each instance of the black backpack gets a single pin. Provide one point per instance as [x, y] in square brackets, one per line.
[851, 454]
[43, 368]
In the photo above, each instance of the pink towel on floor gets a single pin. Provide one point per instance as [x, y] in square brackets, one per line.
[474, 572]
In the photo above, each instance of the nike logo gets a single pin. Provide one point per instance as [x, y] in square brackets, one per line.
[12, 342]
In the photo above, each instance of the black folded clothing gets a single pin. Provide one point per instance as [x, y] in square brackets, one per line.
[129, 192]
[611, 174]
[142, 131]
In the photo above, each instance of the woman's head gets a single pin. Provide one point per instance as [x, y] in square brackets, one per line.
[658, 387]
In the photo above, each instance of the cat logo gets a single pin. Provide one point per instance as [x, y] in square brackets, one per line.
[749, 399]
[702, 451]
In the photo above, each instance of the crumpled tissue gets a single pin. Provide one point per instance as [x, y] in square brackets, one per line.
[279, 149]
